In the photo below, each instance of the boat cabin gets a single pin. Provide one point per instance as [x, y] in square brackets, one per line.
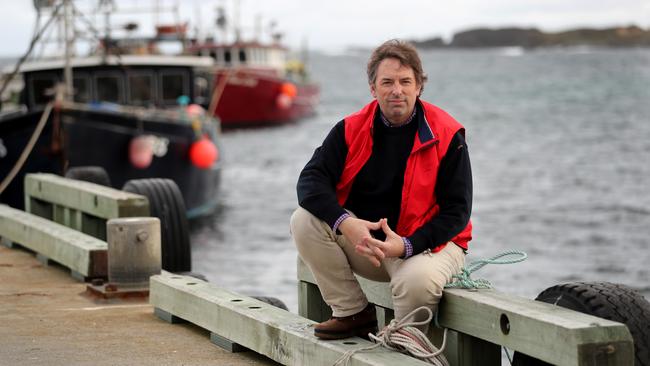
[147, 81]
[251, 54]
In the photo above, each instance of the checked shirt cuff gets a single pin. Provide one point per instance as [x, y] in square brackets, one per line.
[408, 248]
[339, 221]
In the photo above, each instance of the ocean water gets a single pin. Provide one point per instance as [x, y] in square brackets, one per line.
[560, 149]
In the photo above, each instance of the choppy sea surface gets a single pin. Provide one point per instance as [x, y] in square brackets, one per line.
[560, 148]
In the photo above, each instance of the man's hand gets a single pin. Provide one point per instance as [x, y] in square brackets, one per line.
[393, 246]
[357, 232]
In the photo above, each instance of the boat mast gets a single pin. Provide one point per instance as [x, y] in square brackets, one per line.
[67, 70]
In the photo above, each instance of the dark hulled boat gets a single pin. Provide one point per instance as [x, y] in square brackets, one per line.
[155, 136]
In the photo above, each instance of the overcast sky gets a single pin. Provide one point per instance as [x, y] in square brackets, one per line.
[333, 25]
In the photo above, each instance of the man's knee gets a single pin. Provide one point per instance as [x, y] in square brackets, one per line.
[306, 228]
[300, 223]
[418, 286]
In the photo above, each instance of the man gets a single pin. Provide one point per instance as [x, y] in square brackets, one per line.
[388, 196]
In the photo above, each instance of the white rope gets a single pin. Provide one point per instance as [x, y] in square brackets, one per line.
[28, 149]
[402, 336]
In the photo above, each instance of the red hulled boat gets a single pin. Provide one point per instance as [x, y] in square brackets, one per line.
[256, 83]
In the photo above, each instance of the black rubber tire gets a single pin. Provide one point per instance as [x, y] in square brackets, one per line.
[92, 174]
[605, 300]
[272, 301]
[166, 203]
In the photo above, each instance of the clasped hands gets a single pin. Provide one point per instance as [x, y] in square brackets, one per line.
[357, 232]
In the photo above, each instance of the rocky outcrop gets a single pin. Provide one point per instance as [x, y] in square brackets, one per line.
[504, 37]
[630, 36]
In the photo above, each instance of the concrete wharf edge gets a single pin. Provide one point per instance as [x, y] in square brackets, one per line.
[47, 319]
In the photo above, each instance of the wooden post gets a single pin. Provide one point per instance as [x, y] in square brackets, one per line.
[311, 304]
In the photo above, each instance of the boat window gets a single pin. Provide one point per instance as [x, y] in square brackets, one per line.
[81, 88]
[141, 89]
[226, 56]
[213, 54]
[109, 88]
[42, 88]
[173, 85]
[242, 56]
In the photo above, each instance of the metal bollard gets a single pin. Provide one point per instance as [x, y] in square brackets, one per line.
[134, 252]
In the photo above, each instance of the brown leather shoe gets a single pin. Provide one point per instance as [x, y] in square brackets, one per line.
[359, 324]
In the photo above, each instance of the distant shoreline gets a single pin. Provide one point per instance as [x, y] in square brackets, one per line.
[628, 36]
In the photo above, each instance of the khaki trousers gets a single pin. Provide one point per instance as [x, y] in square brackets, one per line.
[414, 282]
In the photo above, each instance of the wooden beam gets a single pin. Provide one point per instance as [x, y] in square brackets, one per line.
[81, 253]
[280, 335]
[551, 333]
[90, 198]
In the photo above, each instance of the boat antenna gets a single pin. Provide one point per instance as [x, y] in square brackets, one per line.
[96, 34]
[108, 6]
[258, 27]
[222, 22]
[37, 35]
[237, 21]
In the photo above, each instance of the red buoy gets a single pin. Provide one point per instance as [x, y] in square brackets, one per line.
[141, 151]
[203, 153]
[193, 110]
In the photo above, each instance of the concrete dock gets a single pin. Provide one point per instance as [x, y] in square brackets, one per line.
[46, 318]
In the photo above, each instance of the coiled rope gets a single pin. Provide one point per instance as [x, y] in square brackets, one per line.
[402, 336]
[463, 279]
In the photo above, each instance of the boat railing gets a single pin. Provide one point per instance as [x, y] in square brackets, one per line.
[171, 114]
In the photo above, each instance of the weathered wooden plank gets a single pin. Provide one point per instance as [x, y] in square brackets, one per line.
[551, 333]
[90, 198]
[280, 335]
[79, 252]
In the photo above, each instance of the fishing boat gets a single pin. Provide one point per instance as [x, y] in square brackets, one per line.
[256, 82]
[133, 116]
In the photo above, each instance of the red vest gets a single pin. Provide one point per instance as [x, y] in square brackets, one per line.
[419, 203]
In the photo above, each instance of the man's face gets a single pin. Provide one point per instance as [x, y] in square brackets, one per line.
[395, 89]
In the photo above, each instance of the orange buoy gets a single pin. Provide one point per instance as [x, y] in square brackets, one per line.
[289, 89]
[203, 153]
